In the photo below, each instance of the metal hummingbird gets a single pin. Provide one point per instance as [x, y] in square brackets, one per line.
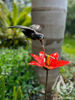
[31, 32]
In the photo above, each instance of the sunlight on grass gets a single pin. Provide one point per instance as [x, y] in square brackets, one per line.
[69, 46]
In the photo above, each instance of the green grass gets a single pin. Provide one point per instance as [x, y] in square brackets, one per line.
[69, 46]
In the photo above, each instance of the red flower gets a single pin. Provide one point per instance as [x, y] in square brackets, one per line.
[49, 62]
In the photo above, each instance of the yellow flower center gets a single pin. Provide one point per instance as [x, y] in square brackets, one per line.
[48, 60]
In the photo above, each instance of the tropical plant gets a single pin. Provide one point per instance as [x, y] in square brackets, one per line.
[18, 18]
[14, 17]
[10, 18]
[3, 14]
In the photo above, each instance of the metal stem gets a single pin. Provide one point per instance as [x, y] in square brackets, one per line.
[46, 84]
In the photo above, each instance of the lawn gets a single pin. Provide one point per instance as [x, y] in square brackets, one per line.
[69, 46]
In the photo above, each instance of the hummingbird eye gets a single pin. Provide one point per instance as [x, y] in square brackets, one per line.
[40, 36]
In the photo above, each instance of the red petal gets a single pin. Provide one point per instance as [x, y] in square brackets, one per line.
[36, 57]
[42, 57]
[35, 63]
[57, 64]
[55, 55]
[60, 63]
[42, 54]
[39, 59]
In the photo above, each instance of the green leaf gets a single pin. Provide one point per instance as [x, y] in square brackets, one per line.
[14, 93]
[14, 13]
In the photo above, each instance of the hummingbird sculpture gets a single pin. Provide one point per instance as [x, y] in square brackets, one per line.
[32, 32]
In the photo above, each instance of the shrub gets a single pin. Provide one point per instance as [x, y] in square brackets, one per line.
[2, 88]
[17, 72]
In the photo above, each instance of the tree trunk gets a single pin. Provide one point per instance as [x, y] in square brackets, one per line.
[51, 15]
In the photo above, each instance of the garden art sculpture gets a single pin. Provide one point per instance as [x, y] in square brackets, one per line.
[43, 60]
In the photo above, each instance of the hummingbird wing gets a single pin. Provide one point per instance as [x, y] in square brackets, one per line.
[21, 27]
[29, 32]
[36, 27]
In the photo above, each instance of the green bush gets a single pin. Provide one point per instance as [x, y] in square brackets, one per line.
[2, 88]
[17, 72]
[71, 18]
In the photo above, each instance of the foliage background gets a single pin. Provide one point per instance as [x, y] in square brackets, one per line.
[70, 27]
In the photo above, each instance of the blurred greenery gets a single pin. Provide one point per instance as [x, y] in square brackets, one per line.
[14, 17]
[2, 88]
[70, 29]
[20, 3]
[69, 45]
[17, 17]
[3, 14]
[16, 71]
